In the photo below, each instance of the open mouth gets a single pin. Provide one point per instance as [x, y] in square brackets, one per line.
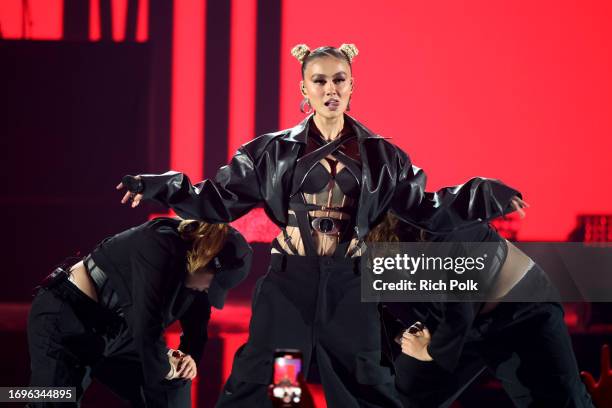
[332, 103]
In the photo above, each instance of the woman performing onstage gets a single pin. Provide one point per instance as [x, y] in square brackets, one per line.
[324, 182]
[525, 345]
[104, 316]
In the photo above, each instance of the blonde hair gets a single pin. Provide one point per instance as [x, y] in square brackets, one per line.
[350, 50]
[384, 231]
[304, 55]
[391, 229]
[300, 52]
[207, 241]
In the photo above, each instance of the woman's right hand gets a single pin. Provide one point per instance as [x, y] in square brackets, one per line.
[415, 340]
[133, 184]
[181, 365]
[187, 368]
[174, 358]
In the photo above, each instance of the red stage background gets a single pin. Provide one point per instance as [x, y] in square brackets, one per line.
[515, 90]
[519, 91]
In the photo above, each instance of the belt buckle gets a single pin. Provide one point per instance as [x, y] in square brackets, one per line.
[326, 225]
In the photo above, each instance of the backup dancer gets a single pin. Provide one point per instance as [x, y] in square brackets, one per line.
[525, 345]
[104, 316]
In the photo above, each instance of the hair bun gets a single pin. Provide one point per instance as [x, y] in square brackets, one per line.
[349, 50]
[300, 52]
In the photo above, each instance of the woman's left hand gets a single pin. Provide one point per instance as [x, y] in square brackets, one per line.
[130, 183]
[518, 204]
[187, 367]
[414, 343]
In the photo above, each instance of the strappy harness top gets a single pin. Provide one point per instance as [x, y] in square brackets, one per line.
[323, 199]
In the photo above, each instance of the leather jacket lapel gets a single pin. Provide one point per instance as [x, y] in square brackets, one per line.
[375, 167]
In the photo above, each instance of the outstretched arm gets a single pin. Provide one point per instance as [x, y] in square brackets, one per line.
[480, 199]
[234, 191]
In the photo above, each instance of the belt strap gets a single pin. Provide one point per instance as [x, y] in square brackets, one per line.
[303, 223]
[107, 297]
[356, 248]
[300, 206]
[288, 241]
[97, 274]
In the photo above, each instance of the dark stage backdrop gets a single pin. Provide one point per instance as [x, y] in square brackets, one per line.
[73, 120]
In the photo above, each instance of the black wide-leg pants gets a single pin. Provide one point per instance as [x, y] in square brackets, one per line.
[313, 304]
[67, 351]
[525, 345]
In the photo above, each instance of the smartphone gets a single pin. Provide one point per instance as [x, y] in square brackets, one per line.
[285, 389]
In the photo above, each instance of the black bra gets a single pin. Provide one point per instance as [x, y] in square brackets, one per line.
[312, 177]
[318, 178]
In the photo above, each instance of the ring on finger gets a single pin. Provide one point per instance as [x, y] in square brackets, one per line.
[415, 328]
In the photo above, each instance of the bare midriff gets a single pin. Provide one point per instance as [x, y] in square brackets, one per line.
[81, 279]
[515, 267]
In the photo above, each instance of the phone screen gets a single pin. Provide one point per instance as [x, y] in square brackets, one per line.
[287, 366]
[286, 389]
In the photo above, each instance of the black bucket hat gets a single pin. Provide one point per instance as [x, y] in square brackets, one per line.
[232, 265]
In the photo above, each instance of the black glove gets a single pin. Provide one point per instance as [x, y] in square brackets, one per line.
[133, 184]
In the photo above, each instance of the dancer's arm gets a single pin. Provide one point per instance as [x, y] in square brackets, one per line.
[234, 191]
[445, 346]
[394, 327]
[150, 260]
[194, 324]
[480, 199]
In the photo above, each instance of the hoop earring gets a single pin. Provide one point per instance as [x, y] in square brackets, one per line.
[305, 102]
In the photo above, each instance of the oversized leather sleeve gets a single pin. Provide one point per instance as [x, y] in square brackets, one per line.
[449, 337]
[479, 199]
[149, 262]
[234, 191]
[393, 326]
[194, 324]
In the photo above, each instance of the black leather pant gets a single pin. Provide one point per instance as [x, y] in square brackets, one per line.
[72, 340]
[313, 304]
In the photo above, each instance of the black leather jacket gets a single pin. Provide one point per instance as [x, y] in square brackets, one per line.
[262, 171]
[146, 266]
